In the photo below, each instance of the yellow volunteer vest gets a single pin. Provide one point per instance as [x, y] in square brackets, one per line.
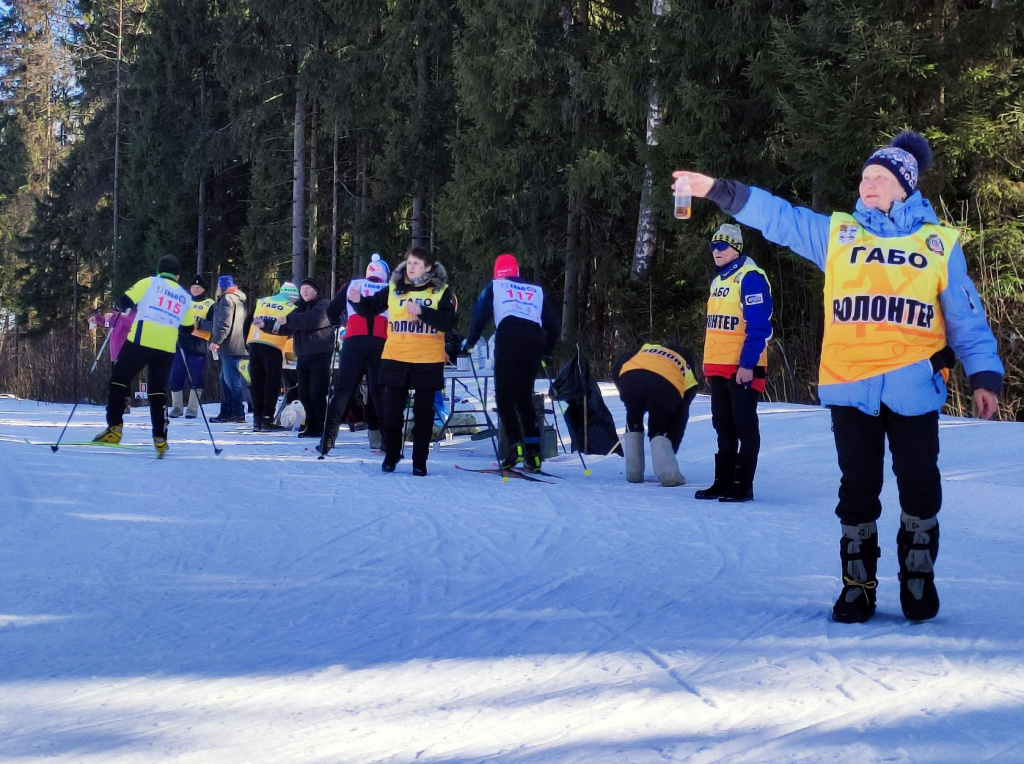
[665, 363]
[271, 309]
[161, 306]
[409, 339]
[201, 309]
[726, 327]
[882, 307]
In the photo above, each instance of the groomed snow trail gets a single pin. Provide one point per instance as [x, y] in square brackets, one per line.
[264, 606]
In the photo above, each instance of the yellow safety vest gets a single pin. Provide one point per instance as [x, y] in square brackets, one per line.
[726, 327]
[410, 339]
[270, 308]
[162, 305]
[201, 309]
[665, 363]
[882, 307]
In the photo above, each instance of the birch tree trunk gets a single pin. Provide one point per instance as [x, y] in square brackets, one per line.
[648, 227]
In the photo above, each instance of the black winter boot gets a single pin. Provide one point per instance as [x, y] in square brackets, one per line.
[858, 550]
[725, 476]
[917, 545]
[743, 488]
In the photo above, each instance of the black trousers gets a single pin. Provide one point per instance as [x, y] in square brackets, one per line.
[393, 421]
[518, 350]
[860, 443]
[359, 356]
[130, 361]
[644, 392]
[734, 417]
[264, 378]
[314, 377]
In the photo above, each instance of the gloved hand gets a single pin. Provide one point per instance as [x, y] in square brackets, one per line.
[465, 347]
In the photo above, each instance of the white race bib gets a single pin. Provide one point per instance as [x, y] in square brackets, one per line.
[520, 300]
[366, 289]
[164, 303]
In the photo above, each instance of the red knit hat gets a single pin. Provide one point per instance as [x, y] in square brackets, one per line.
[506, 265]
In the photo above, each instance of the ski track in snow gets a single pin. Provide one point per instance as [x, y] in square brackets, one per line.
[266, 606]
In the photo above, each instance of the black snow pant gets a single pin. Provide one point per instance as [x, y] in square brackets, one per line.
[314, 377]
[130, 361]
[645, 392]
[393, 421]
[359, 355]
[518, 349]
[860, 443]
[734, 417]
[265, 363]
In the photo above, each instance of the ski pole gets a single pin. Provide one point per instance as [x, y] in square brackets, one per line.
[192, 385]
[330, 396]
[95, 362]
[490, 425]
[561, 408]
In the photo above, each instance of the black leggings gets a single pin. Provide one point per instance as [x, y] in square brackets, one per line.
[517, 356]
[314, 378]
[130, 361]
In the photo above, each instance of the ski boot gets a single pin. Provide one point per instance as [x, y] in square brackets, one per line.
[633, 446]
[665, 465]
[859, 553]
[532, 457]
[513, 456]
[725, 476]
[110, 435]
[917, 545]
[160, 444]
[177, 400]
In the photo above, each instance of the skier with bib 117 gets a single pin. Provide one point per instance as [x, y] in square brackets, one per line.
[161, 306]
[896, 292]
[526, 330]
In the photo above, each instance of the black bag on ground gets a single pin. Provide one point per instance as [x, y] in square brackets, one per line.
[590, 423]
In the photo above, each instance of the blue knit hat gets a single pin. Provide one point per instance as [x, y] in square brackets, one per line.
[907, 156]
[225, 282]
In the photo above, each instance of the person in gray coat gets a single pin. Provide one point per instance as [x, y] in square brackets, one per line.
[227, 341]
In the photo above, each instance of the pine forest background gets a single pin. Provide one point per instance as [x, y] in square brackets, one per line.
[273, 140]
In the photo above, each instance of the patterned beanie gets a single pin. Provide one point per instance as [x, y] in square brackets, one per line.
[907, 156]
[378, 269]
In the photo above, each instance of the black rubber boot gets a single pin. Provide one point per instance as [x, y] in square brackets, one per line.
[743, 487]
[858, 550]
[725, 476]
[917, 545]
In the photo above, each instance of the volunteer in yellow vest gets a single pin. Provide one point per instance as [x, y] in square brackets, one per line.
[421, 309]
[193, 342]
[656, 380]
[896, 291]
[266, 340]
[162, 305]
[739, 326]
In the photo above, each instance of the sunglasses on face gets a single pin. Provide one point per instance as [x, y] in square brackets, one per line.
[720, 246]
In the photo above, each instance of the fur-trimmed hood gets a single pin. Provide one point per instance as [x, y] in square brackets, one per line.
[438, 278]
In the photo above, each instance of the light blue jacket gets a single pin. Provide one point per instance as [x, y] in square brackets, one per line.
[911, 390]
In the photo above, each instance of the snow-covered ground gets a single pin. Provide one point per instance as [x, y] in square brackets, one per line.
[264, 606]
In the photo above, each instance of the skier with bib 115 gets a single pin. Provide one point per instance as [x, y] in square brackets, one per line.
[161, 306]
[896, 292]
